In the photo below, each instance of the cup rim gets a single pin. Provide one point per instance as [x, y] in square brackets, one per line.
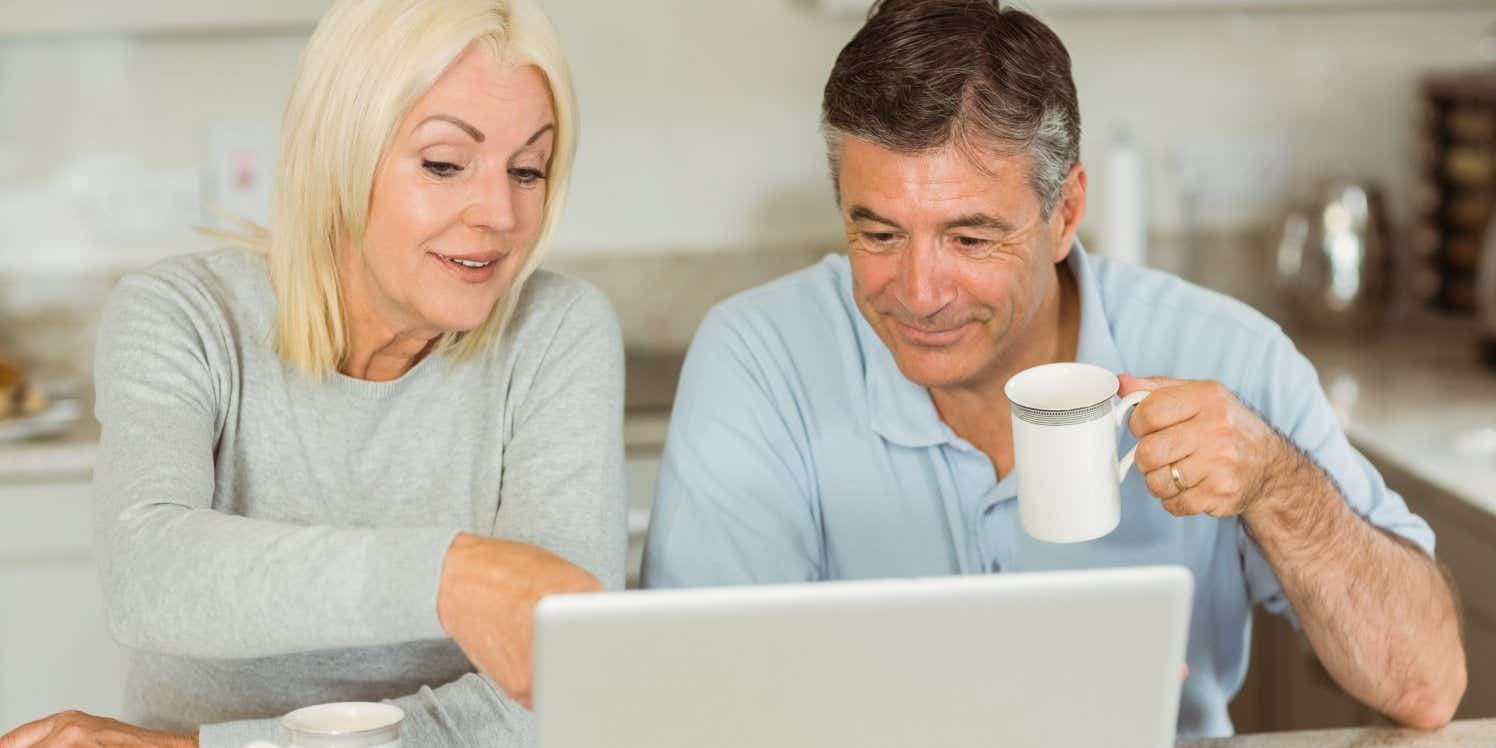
[392, 717]
[1022, 378]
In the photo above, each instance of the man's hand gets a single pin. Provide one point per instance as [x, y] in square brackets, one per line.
[489, 589]
[79, 729]
[1200, 449]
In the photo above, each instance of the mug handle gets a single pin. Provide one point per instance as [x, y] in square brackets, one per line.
[1120, 413]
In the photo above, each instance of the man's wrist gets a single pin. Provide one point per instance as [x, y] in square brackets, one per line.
[1296, 503]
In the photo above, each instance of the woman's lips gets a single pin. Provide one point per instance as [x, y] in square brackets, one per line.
[465, 273]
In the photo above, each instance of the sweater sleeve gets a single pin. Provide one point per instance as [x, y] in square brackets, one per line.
[470, 712]
[182, 578]
[562, 490]
[563, 486]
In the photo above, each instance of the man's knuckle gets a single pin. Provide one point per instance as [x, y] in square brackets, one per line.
[1145, 455]
[1155, 486]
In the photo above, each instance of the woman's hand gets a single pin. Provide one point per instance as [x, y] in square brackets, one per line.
[489, 589]
[79, 729]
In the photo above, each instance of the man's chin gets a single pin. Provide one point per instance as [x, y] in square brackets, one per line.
[935, 369]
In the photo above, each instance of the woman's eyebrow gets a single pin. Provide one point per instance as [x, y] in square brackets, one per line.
[473, 132]
[538, 133]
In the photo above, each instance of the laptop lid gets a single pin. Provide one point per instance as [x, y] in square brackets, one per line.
[1072, 658]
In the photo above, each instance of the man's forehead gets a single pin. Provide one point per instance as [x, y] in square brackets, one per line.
[946, 176]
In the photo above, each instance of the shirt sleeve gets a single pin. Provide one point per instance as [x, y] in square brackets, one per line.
[180, 577]
[1293, 401]
[734, 501]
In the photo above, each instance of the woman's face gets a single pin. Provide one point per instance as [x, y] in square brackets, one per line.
[458, 200]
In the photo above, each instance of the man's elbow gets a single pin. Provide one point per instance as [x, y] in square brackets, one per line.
[1433, 705]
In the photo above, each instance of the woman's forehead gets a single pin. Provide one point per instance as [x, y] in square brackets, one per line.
[489, 93]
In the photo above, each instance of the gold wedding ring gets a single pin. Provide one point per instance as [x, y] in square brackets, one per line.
[1178, 479]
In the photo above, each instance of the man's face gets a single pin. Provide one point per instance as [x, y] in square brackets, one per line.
[951, 262]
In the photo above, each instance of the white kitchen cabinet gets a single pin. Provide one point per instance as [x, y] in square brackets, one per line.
[19, 17]
[55, 648]
[640, 472]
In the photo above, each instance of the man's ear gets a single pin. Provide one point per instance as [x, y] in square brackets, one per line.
[1069, 211]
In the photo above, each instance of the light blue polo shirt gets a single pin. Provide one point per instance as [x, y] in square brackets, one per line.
[797, 452]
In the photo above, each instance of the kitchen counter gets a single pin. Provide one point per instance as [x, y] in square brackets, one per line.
[67, 457]
[1474, 732]
[1416, 400]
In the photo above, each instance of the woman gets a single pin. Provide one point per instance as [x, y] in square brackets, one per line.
[347, 468]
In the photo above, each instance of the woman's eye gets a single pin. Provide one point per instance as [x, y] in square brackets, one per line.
[441, 168]
[526, 176]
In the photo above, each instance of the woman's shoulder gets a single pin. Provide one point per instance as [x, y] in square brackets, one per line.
[230, 285]
[551, 301]
[555, 308]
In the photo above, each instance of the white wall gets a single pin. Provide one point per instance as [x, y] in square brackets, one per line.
[700, 119]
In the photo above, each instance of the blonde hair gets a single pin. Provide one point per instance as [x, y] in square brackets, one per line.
[363, 69]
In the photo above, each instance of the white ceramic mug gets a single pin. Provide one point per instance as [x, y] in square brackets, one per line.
[1066, 423]
[351, 724]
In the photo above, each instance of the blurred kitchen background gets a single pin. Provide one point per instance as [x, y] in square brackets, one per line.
[1331, 162]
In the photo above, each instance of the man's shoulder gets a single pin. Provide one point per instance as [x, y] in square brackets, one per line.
[815, 284]
[796, 309]
[1150, 308]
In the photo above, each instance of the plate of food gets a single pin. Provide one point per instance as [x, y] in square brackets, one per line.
[25, 410]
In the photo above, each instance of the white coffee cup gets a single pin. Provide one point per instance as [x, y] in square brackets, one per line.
[350, 724]
[1066, 423]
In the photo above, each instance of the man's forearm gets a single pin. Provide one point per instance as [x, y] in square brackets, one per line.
[1378, 612]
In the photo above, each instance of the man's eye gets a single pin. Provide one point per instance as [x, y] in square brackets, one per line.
[971, 242]
[878, 237]
[441, 168]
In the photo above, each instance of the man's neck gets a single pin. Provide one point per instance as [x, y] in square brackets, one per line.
[979, 412]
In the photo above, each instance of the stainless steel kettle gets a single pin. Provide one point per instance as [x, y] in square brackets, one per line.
[1334, 261]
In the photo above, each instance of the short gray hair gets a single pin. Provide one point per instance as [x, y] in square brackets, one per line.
[922, 74]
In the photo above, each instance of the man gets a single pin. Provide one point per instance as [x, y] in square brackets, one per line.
[848, 421]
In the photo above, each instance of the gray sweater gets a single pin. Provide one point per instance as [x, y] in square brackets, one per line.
[266, 543]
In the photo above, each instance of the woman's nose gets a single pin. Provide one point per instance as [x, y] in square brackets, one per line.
[492, 206]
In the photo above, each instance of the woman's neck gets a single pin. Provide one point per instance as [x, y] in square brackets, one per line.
[382, 345]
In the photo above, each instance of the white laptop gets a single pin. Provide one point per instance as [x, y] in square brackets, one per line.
[1074, 658]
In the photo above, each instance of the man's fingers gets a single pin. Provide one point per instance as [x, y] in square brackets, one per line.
[1166, 447]
[1172, 404]
[1130, 384]
[28, 734]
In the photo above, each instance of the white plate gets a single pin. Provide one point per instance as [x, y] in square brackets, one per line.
[57, 418]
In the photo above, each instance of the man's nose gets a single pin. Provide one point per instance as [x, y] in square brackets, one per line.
[925, 286]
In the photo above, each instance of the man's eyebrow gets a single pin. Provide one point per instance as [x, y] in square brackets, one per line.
[977, 221]
[861, 213]
[473, 132]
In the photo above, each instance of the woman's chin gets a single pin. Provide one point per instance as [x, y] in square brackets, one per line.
[459, 320]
